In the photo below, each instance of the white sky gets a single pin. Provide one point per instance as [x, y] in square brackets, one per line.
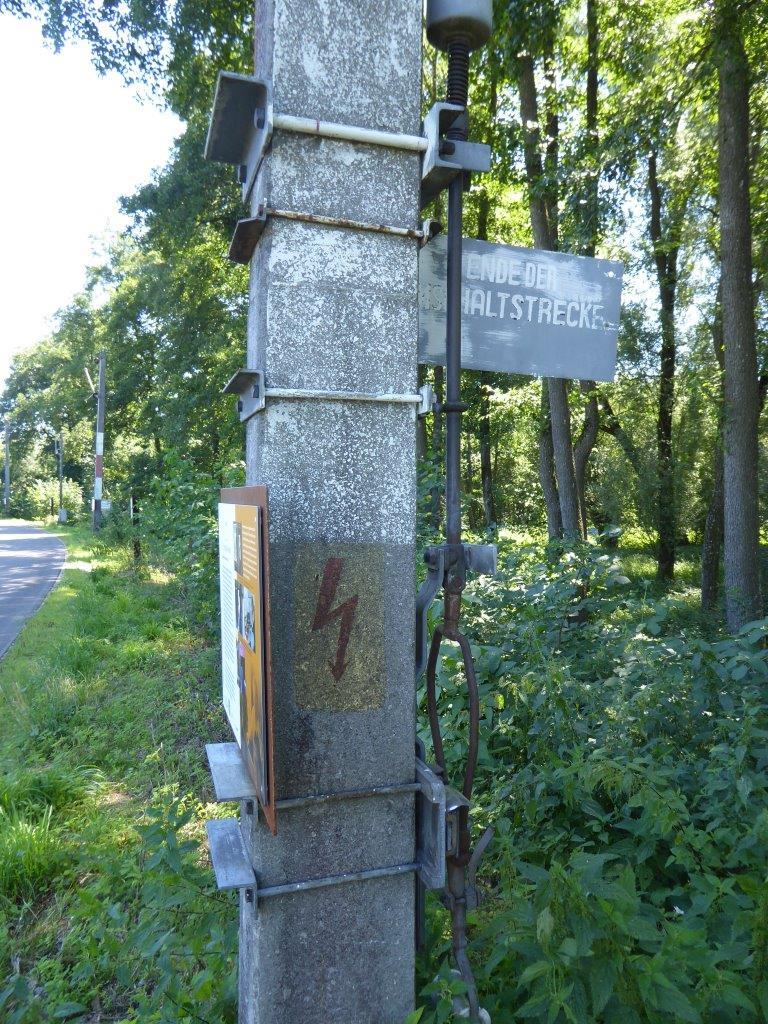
[73, 142]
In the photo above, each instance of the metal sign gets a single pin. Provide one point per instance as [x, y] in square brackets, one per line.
[546, 314]
[245, 653]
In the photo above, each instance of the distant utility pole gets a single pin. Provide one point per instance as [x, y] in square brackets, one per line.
[7, 474]
[60, 454]
[98, 473]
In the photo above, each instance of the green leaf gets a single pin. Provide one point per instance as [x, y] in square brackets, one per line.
[545, 924]
[602, 977]
[533, 971]
[762, 996]
[415, 1017]
[672, 1000]
[66, 1010]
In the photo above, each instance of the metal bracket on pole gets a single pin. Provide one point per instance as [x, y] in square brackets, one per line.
[232, 782]
[445, 158]
[249, 231]
[480, 559]
[248, 385]
[230, 859]
[430, 827]
[241, 125]
[428, 400]
[233, 869]
[434, 556]
[252, 394]
[243, 122]
[229, 856]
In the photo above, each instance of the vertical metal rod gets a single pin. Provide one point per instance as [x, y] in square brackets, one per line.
[98, 475]
[7, 470]
[453, 364]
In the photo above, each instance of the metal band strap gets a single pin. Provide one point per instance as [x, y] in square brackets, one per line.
[344, 222]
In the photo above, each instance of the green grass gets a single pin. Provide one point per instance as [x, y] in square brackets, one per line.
[106, 701]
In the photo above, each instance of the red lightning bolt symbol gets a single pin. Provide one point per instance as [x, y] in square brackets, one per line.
[324, 614]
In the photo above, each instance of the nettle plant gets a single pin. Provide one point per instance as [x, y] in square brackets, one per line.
[624, 772]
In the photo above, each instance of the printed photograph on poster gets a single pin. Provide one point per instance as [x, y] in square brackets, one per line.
[238, 547]
[247, 617]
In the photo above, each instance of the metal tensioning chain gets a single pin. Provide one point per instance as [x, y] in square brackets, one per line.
[458, 27]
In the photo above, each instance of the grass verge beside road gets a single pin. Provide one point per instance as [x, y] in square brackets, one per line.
[107, 909]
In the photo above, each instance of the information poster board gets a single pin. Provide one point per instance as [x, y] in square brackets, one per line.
[245, 656]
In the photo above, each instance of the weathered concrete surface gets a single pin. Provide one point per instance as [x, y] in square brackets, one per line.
[335, 309]
[30, 564]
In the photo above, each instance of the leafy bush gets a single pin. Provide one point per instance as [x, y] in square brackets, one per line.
[622, 764]
[179, 532]
[36, 499]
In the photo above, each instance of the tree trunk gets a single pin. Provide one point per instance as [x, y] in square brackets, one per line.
[584, 445]
[544, 233]
[486, 470]
[740, 384]
[713, 537]
[543, 223]
[611, 425]
[665, 251]
[484, 423]
[547, 468]
[712, 541]
[565, 469]
[469, 487]
[591, 231]
[591, 207]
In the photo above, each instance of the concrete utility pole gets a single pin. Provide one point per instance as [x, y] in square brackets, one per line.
[98, 471]
[7, 470]
[335, 309]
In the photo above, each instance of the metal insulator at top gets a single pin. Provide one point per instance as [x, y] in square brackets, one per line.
[468, 21]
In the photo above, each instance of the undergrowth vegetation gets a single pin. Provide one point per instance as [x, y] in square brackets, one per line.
[622, 766]
[623, 769]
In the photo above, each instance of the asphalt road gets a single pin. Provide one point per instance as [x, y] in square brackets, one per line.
[30, 564]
